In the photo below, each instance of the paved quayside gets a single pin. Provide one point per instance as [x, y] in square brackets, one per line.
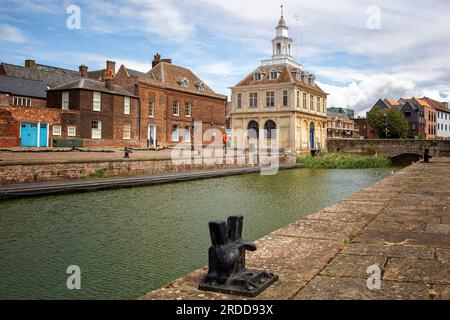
[401, 224]
[46, 188]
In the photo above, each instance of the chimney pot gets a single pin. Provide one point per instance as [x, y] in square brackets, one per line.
[84, 71]
[156, 60]
[30, 63]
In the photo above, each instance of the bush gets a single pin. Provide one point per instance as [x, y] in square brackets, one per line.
[98, 174]
[339, 161]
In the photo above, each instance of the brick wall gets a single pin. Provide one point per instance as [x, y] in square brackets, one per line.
[10, 118]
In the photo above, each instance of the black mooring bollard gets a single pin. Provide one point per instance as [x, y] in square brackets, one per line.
[127, 153]
[226, 269]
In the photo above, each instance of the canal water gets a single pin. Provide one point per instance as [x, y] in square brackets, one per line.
[130, 241]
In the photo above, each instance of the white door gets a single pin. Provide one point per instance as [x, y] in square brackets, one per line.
[152, 136]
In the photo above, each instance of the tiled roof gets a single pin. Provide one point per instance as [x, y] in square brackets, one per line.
[134, 73]
[94, 85]
[52, 76]
[436, 104]
[96, 74]
[169, 75]
[392, 102]
[23, 87]
[286, 75]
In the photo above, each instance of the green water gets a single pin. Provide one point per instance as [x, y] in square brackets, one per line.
[130, 241]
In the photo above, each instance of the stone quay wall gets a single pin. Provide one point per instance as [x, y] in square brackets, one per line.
[389, 148]
[76, 170]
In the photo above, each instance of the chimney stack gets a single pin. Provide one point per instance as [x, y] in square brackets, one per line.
[109, 79]
[111, 67]
[156, 60]
[84, 71]
[30, 63]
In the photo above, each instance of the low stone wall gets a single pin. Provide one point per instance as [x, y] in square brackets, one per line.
[76, 170]
[389, 148]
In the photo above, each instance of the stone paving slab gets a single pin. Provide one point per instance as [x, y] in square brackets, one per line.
[443, 255]
[319, 229]
[353, 266]
[368, 249]
[404, 238]
[335, 288]
[442, 292]
[418, 270]
[401, 223]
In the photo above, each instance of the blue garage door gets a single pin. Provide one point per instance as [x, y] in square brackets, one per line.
[33, 134]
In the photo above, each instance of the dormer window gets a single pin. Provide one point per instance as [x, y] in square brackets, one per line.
[257, 76]
[201, 86]
[274, 74]
[184, 83]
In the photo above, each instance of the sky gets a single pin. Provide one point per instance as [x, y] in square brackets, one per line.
[359, 50]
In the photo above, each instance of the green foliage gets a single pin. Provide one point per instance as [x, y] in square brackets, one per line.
[98, 174]
[341, 161]
[390, 119]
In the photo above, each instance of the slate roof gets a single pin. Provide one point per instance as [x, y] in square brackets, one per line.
[23, 87]
[93, 85]
[287, 74]
[338, 115]
[52, 76]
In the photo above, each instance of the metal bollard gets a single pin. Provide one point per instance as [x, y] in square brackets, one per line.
[127, 153]
[226, 267]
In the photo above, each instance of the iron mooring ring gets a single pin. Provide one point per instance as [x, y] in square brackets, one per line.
[226, 266]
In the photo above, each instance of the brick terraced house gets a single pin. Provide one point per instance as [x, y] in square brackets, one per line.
[171, 99]
[98, 113]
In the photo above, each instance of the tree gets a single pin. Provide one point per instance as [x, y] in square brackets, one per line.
[388, 123]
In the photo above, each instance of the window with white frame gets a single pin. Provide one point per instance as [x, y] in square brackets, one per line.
[188, 109]
[175, 133]
[65, 100]
[270, 99]
[97, 103]
[239, 100]
[201, 87]
[71, 131]
[127, 131]
[253, 100]
[126, 105]
[274, 74]
[176, 108]
[184, 83]
[22, 101]
[57, 131]
[96, 129]
[187, 134]
[257, 76]
[151, 109]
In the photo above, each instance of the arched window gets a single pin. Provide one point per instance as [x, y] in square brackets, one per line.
[270, 130]
[253, 130]
[184, 83]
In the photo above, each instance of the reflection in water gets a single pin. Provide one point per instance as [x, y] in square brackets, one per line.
[130, 241]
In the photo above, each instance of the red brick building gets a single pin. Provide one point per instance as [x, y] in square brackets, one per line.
[172, 98]
[98, 113]
[23, 111]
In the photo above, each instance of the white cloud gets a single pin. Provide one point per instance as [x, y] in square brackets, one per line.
[12, 34]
